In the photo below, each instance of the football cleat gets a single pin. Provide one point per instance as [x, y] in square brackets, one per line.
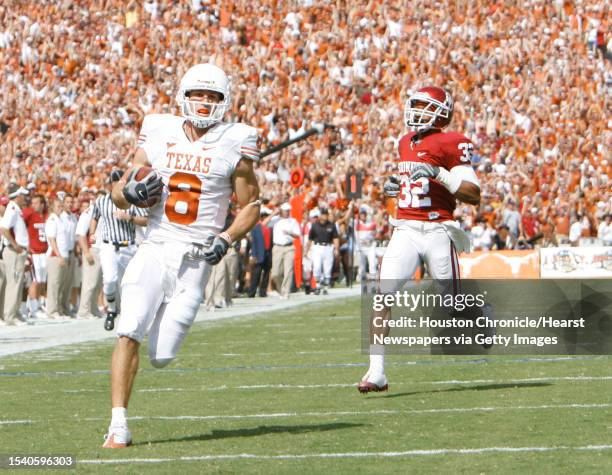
[117, 439]
[376, 384]
[109, 323]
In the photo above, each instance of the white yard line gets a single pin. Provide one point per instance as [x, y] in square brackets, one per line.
[414, 383]
[383, 412]
[50, 333]
[526, 380]
[342, 455]
[338, 385]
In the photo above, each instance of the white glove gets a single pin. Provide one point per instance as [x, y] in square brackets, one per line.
[392, 186]
[424, 170]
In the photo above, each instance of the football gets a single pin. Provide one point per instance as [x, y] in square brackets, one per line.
[140, 174]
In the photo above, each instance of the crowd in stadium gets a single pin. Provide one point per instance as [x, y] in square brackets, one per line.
[531, 82]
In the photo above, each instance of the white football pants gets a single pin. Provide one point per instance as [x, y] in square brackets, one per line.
[410, 246]
[367, 257]
[161, 292]
[322, 263]
[39, 263]
[114, 263]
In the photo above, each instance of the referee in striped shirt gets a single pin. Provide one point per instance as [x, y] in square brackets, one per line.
[118, 244]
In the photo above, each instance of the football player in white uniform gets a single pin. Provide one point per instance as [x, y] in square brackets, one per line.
[198, 161]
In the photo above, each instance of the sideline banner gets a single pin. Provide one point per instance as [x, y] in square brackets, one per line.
[576, 262]
[500, 265]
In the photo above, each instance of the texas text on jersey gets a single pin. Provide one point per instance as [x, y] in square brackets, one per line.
[425, 199]
[196, 175]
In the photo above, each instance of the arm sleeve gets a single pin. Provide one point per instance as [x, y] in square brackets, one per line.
[296, 228]
[458, 151]
[311, 234]
[9, 219]
[250, 145]
[51, 228]
[152, 151]
[95, 214]
[4, 221]
[82, 227]
[138, 212]
[145, 130]
[465, 173]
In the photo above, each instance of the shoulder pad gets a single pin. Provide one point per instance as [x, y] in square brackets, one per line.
[238, 131]
[157, 124]
[455, 137]
[246, 137]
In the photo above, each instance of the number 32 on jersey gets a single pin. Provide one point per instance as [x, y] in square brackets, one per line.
[413, 194]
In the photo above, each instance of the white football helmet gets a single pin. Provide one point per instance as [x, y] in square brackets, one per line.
[204, 77]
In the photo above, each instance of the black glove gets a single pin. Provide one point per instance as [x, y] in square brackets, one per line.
[143, 191]
[216, 251]
[392, 186]
[424, 170]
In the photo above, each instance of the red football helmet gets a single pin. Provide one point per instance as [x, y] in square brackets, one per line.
[428, 107]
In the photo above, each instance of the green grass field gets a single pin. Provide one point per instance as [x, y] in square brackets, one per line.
[274, 393]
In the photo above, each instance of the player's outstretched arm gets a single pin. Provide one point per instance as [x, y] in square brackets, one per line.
[140, 159]
[247, 193]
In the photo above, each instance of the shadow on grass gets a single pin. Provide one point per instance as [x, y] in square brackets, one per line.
[481, 387]
[254, 432]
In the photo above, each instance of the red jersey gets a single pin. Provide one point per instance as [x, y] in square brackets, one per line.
[35, 223]
[529, 225]
[426, 199]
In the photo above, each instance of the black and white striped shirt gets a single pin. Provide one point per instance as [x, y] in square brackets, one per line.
[113, 229]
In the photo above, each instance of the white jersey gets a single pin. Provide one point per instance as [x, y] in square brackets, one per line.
[196, 175]
[13, 221]
[365, 232]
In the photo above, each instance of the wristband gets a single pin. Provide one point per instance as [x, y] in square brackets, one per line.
[226, 237]
[450, 181]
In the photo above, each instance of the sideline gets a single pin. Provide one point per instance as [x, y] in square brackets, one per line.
[50, 333]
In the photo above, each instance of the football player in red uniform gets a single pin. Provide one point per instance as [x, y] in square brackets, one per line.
[433, 171]
[35, 217]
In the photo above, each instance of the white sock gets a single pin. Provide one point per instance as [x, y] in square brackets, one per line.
[119, 418]
[33, 305]
[377, 359]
